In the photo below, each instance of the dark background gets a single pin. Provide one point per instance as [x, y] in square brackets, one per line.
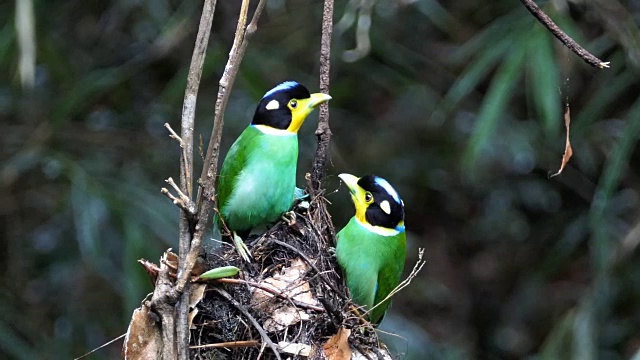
[458, 104]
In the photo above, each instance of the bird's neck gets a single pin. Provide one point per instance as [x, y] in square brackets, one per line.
[273, 131]
[379, 229]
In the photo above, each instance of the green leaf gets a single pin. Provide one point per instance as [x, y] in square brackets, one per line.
[494, 105]
[613, 171]
[543, 71]
[557, 345]
[220, 272]
[475, 73]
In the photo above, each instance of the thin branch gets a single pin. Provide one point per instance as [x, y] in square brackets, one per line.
[414, 272]
[174, 319]
[323, 132]
[214, 142]
[245, 312]
[101, 346]
[562, 36]
[182, 201]
[184, 165]
[210, 168]
[173, 135]
[209, 171]
[271, 291]
[229, 344]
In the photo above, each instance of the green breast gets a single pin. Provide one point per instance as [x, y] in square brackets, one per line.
[372, 263]
[257, 179]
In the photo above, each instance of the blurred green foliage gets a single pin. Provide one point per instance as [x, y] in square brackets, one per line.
[458, 104]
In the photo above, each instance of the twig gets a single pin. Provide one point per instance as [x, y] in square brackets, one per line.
[184, 165]
[214, 143]
[271, 291]
[182, 201]
[562, 36]
[100, 347]
[414, 272]
[255, 323]
[209, 171]
[186, 173]
[334, 314]
[173, 135]
[323, 132]
[229, 344]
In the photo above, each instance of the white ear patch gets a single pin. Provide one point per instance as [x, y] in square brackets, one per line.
[385, 207]
[272, 105]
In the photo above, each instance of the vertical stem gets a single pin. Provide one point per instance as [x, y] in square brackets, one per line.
[186, 168]
[225, 84]
[210, 168]
[323, 132]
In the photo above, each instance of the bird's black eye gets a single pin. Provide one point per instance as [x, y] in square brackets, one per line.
[368, 197]
[293, 103]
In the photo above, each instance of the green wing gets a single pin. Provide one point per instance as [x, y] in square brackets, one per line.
[234, 162]
[389, 275]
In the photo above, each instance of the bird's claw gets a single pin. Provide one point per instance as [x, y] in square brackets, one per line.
[332, 251]
[289, 217]
[242, 248]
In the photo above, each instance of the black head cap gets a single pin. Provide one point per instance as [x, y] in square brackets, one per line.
[386, 209]
[273, 110]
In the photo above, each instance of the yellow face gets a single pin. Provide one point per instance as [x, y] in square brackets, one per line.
[301, 108]
[361, 198]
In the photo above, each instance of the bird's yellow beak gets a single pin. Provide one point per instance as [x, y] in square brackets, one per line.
[357, 195]
[305, 107]
[351, 182]
[317, 99]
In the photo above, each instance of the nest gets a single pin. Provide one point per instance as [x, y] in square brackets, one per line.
[290, 299]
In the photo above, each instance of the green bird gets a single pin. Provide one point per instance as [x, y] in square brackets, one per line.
[371, 248]
[258, 176]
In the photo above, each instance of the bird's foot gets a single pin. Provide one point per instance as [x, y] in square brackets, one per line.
[300, 194]
[242, 248]
[289, 217]
[332, 251]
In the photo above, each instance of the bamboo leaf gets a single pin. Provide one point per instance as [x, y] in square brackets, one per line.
[494, 106]
[544, 80]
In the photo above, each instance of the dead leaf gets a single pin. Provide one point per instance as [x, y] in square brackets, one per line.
[290, 283]
[568, 151]
[297, 349]
[151, 269]
[337, 347]
[171, 260]
[197, 293]
[143, 340]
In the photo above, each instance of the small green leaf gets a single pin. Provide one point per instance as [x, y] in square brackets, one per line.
[494, 105]
[220, 272]
[475, 73]
[544, 81]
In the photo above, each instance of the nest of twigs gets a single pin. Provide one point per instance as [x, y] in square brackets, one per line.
[289, 300]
